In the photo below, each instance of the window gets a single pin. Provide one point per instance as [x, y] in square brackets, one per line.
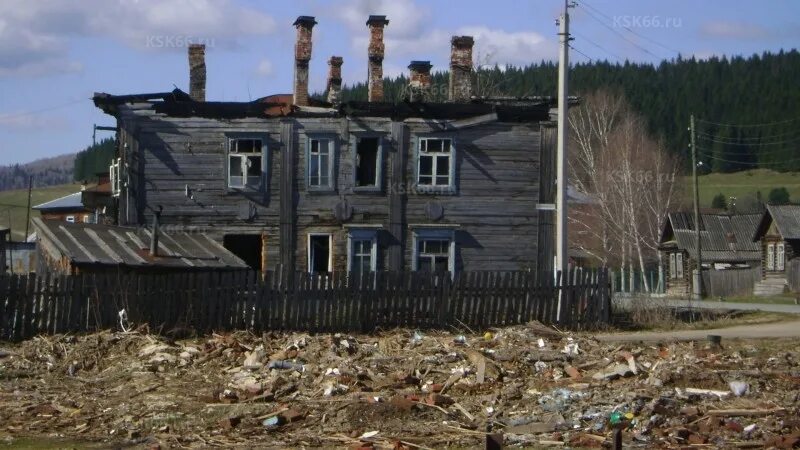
[435, 163]
[368, 162]
[70, 219]
[434, 250]
[319, 253]
[319, 165]
[248, 247]
[770, 256]
[679, 265]
[245, 162]
[87, 218]
[779, 257]
[672, 270]
[114, 176]
[362, 251]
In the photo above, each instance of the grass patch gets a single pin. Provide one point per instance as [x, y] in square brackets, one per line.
[777, 300]
[743, 184]
[13, 205]
[658, 315]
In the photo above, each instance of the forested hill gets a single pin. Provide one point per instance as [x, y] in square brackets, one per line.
[45, 172]
[760, 92]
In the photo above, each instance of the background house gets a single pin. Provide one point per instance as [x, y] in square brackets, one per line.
[68, 208]
[778, 238]
[324, 186]
[725, 242]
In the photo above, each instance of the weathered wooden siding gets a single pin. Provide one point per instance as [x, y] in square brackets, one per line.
[497, 179]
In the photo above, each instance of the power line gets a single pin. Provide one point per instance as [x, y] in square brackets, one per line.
[620, 34]
[631, 31]
[36, 111]
[749, 138]
[752, 163]
[750, 144]
[581, 53]
[750, 125]
[598, 46]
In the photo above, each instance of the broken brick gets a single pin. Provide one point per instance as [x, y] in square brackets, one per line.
[292, 415]
[734, 426]
[438, 400]
[572, 372]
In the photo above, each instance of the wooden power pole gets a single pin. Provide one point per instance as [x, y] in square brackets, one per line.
[698, 273]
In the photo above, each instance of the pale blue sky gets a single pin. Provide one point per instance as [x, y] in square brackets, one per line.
[55, 53]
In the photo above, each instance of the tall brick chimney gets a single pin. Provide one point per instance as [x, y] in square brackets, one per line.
[197, 72]
[302, 55]
[375, 53]
[419, 81]
[335, 79]
[460, 89]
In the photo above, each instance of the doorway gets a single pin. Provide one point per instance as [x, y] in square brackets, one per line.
[319, 253]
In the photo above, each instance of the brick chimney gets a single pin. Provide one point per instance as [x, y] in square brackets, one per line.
[375, 53]
[197, 72]
[335, 79]
[302, 55]
[419, 82]
[460, 89]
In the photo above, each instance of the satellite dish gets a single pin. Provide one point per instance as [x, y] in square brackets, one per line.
[434, 211]
[343, 211]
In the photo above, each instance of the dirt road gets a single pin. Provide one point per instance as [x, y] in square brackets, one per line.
[769, 330]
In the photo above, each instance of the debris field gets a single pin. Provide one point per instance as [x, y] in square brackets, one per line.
[525, 386]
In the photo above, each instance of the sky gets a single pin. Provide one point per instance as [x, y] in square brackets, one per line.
[54, 54]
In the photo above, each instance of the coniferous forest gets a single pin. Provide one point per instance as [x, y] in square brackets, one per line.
[759, 94]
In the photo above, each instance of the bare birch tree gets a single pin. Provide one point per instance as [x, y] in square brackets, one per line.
[630, 177]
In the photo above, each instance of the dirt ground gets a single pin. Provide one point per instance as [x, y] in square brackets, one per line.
[532, 385]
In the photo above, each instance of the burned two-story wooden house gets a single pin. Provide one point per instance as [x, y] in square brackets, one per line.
[333, 186]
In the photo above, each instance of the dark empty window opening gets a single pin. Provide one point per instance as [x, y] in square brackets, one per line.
[319, 253]
[367, 162]
[246, 246]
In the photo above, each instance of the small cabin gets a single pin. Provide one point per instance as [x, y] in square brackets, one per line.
[778, 238]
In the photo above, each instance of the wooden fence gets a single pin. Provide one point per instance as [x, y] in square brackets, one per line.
[730, 282]
[203, 302]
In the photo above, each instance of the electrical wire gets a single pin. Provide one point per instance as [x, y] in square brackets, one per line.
[630, 30]
[37, 111]
[589, 12]
[581, 53]
[752, 163]
[749, 125]
[749, 138]
[787, 141]
[598, 46]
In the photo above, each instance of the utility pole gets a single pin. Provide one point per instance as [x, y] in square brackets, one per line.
[697, 274]
[28, 217]
[562, 259]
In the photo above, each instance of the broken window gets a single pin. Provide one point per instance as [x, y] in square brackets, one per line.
[770, 256]
[115, 176]
[434, 250]
[436, 163]
[245, 163]
[320, 163]
[367, 170]
[780, 258]
[319, 253]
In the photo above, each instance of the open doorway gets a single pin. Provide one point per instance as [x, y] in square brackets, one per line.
[247, 247]
[319, 253]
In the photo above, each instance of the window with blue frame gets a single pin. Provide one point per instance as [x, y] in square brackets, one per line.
[434, 250]
[436, 163]
[362, 251]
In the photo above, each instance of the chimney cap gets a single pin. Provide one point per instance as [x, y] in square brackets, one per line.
[377, 20]
[462, 41]
[420, 66]
[336, 61]
[197, 46]
[308, 21]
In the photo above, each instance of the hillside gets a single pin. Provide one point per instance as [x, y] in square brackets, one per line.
[759, 91]
[14, 202]
[745, 186]
[46, 172]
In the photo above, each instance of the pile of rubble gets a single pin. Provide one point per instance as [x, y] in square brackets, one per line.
[525, 385]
